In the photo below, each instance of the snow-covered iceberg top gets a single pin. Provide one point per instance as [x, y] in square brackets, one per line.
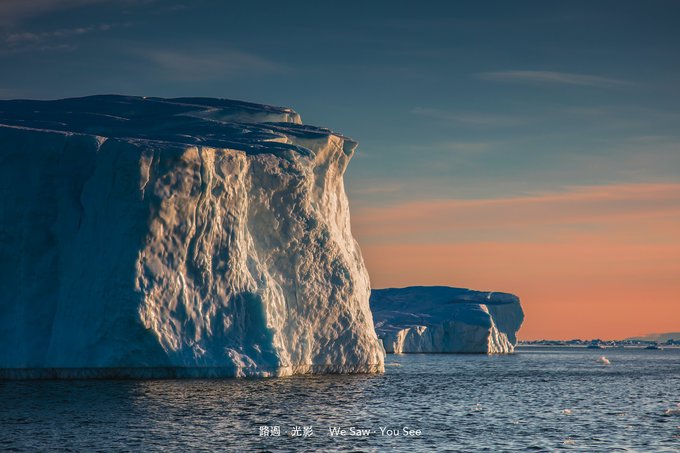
[446, 319]
[148, 237]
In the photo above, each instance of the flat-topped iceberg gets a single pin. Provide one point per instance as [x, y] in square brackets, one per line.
[444, 319]
[147, 237]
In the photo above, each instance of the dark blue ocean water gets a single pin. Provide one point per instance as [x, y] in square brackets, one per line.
[541, 399]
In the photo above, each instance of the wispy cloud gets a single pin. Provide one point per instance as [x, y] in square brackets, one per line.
[13, 10]
[177, 7]
[16, 10]
[54, 40]
[627, 204]
[552, 77]
[28, 37]
[628, 115]
[467, 118]
[207, 65]
[374, 187]
[458, 146]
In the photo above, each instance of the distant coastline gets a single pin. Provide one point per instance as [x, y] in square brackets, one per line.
[651, 341]
[659, 337]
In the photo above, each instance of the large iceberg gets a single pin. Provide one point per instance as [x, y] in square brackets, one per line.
[148, 237]
[445, 319]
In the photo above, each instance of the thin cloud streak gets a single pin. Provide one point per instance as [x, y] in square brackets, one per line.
[602, 207]
[466, 118]
[374, 187]
[458, 146]
[219, 64]
[28, 37]
[553, 77]
[12, 11]
[57, 40]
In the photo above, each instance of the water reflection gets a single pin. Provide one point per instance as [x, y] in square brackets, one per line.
[542, 398]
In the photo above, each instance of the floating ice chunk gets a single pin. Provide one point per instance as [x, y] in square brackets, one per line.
[603, 360]
[673, 411]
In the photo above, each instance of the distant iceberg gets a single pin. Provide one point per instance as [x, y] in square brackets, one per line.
[186, 237]
[434, 319]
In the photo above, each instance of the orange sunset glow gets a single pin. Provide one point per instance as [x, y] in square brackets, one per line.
[589, 262]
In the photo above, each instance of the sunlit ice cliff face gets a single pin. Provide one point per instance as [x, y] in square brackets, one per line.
[441, 319]
[187, 237]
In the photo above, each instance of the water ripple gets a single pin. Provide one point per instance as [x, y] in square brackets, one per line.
[538, 399]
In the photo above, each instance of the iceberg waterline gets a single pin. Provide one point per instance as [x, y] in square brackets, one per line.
[187, 237]
[441, 319]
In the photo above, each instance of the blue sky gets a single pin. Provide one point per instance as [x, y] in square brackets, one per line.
[447, 99]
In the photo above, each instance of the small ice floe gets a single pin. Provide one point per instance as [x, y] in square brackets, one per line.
[604, 361]
[568, 441]
[477, 408]
[566, 411]
[674, 411]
